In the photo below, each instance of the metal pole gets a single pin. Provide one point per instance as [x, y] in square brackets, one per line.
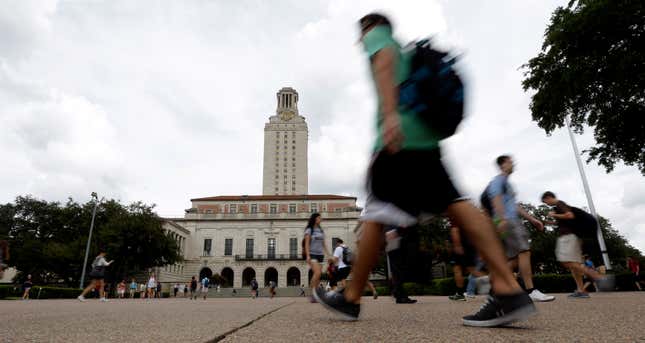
[592, 208]
[87, 247]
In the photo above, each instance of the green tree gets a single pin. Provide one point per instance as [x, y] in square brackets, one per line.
[591, 69]
[48, 239]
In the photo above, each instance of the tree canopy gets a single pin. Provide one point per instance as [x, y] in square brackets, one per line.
[48, 239]
[591, 69]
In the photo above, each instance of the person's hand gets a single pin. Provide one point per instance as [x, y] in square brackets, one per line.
[392, 135]
[538, 225]
[551, 214]
[309, 259]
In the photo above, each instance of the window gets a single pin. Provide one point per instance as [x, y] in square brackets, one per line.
[207, 246]
[254, 208]
[276, 176]
[273, 208]
[276, 189]
[209, 211]
[293, 189]
[293, 165]
[228, 247]
[314, 208]
[292, 208]
[232, 208]
[249, 248]
[293, 247]
[294, 142]
[293, 182]
[293, 147]
[271, 248]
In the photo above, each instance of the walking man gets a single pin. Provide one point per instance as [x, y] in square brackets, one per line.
[407, 173]
[506, 214]
[343, 267]
[205, 284]
[568, 249]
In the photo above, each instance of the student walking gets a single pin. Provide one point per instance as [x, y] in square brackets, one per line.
[205, 284]
[315, 248]
[97, 275]
[407, 172]
[568, 249]
[133, 288]
[26, 287]
[152, 286]
[254, 288]
[499, 200]
[634, 267]
[193, 288]
[341, 259]
[175, 289]
[120, 289]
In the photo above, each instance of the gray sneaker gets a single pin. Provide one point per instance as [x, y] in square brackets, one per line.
[579, 295]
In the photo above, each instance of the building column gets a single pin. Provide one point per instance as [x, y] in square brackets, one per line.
[237, 277]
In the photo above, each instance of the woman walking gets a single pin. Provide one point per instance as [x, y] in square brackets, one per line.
[315, 249]
[97, 275]
[26, 286]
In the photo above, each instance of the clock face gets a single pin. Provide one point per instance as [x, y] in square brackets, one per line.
[286, 115]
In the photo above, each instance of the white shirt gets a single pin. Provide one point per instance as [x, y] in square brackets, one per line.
[338, 253]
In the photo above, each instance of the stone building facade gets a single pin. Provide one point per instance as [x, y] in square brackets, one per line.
[259, 236]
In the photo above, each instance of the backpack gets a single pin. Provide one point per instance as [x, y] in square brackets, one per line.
[487, 202]
[584, 225]
[433, 90]
[348, 256]
[207, 283]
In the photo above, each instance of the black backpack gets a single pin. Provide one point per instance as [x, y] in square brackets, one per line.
[584, 224]
[348, 256]
[486, 201]
[433, 90]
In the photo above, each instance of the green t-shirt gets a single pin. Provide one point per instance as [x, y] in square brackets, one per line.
[417, 135]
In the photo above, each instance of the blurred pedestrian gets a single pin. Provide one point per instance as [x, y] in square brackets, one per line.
[26, 287]
[97, 275]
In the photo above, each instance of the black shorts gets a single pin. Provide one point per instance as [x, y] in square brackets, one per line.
[342, 273]
[318, 258]
[413, 180]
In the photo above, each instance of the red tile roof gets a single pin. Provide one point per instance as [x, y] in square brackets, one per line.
[275, 197]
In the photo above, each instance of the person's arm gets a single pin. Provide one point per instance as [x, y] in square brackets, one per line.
[308, 246]
[326, 250]
[383, 64]
[538, 224]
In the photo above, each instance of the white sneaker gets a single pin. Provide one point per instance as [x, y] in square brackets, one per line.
[470, 296]
[81, 298]
[104, 300]
[536, 295]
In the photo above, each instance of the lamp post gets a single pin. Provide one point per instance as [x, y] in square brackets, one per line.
[585, 185]
[89, 239]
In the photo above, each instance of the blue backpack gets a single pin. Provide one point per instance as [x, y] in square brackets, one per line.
[433, 90]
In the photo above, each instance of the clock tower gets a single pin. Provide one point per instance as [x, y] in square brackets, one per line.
[285, 148]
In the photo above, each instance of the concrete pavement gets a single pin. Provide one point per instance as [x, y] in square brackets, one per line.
[615, 317]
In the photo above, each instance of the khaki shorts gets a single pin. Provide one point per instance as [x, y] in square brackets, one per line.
[568, 248]
[516, 240]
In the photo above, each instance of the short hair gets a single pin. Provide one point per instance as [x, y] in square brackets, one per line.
[501, 159]
[548, 194]
[338, 240]
[373, 19]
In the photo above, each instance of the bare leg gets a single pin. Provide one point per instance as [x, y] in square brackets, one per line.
[371, 241]
[315, 278]
[89, 288]
[524, 265]
[481, 233]
[459, 277]
[102, 288]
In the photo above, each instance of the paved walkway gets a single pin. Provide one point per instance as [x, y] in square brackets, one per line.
[606, 317]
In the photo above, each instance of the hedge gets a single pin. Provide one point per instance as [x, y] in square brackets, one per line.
[40, 292]
[549, 283]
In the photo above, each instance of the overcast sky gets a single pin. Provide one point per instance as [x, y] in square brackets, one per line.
[163, 101]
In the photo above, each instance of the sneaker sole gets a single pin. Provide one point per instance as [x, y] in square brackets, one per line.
[515, 316]
[543, 300]
[342, 315]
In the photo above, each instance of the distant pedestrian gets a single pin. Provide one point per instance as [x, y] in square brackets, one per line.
[26, 287]
[568, 248]
[142, 290]
[272, 288]
[254, 288]
[159, 294]
[175, 289]
[635, 268]
[97, 275]
[4, 256]
[205, 285]
[120, 289]
[133, 288]
[302, 291]
[152, 286]
[193, 288]
[341, 259]
[315, 249]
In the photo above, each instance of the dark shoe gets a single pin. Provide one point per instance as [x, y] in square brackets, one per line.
[501, 310]
[375, 296]
[577, 294]
[457, 297]
[406, 300]
[336, 303]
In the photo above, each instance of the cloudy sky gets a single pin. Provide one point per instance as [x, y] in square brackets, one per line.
[163, 101]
